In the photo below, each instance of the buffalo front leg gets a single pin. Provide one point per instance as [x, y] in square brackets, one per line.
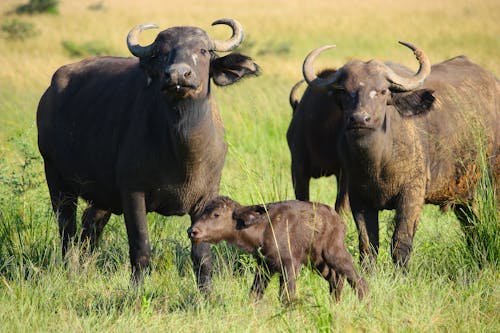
[202, 265]
[134, 210]
[93, 220]
[407, 217]
[367, 225]
[261, 279]
[300, 179]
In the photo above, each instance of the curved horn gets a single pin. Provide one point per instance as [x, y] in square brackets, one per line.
[308, 70]
[234, 41]
[294, 94]
[133, 43]
[406, 84]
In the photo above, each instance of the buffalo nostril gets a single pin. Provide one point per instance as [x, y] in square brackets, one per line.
[187, 74]
[367, 119]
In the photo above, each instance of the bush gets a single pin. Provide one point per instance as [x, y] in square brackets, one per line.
[39, 6]
[18, 30]
[92, 48]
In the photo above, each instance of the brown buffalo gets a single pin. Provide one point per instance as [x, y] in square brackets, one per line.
[407, 140]
[138, 135]
[283, 236]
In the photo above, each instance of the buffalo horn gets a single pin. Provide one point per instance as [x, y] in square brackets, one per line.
[234, 41]
[308, 70]
[409, 83]
[133, 42]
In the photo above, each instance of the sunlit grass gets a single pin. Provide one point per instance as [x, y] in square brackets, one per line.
[443, 291]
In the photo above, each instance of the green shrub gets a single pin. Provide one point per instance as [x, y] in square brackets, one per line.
[18, 30]
[39, 6]
[91, 48]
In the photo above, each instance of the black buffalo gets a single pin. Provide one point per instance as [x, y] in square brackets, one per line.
[407, 140]
[138, 135]
[312, 136]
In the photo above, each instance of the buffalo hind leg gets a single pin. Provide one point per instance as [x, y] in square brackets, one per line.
[93, 220]
[339, 259]
[335, 281]
[64, 203]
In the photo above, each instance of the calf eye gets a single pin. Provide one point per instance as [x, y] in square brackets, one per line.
[216, 215]
[383, 92]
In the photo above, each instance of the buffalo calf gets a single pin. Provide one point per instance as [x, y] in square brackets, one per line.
[282, 236]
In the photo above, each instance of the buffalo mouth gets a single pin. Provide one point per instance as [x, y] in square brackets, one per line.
[356, 127]
[178, 89]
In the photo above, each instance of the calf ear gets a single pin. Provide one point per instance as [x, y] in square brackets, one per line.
[247, 216]
[231, 68]
[414, 102]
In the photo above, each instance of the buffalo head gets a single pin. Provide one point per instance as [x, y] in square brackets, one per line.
[181, 60]
[364, 89]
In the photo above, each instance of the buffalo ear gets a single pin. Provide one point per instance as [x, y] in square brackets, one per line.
[247, 216]
[414, 102]
[232, 68]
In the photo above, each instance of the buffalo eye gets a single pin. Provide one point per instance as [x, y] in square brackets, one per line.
[383, 92]
[216, 215]
[203, 51]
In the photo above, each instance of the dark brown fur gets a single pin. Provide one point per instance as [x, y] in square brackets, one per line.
[401, 150]
[283, 236]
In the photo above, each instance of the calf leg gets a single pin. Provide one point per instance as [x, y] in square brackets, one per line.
[134, 209]
[93, 220]
[335, 281]
[339, 259]
[288, 279]
[260, 281]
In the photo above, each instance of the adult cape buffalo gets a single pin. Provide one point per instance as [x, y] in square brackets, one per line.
[137, 135]
[312, 137]
[407, 140]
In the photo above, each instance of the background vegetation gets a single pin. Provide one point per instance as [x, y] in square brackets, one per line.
[446, 289]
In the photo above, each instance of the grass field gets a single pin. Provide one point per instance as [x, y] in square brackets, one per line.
[445, 289]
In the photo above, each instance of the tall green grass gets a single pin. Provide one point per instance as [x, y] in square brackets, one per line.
[444, 290]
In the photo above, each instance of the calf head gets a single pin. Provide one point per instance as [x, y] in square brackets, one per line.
[216, 222]
[181, 60]
[365, 89]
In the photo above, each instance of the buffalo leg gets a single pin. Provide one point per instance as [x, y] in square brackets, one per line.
[300, 179]
[64, 205]
[368, 234]
[288, 279]
[342, 200]
[338, 258]
[407, 217]
[261, 279]
[202, 265]
[134, 209]
[335, 281]
[93, 220]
